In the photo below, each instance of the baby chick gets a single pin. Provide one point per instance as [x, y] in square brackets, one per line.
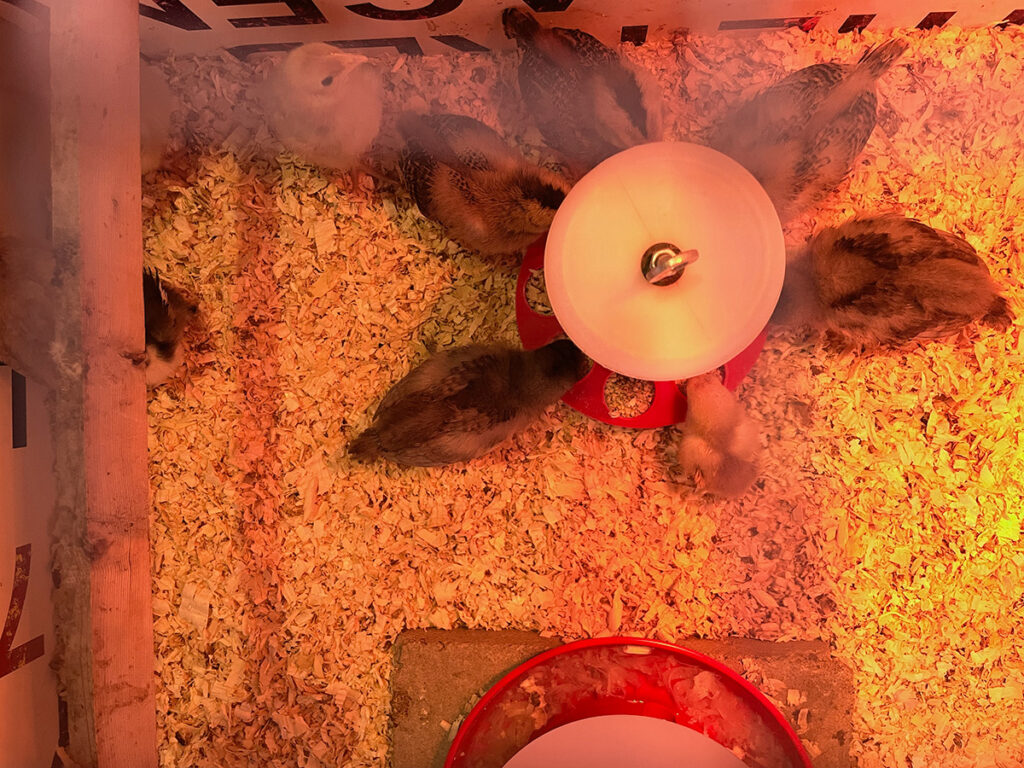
[466, 178]
[461, 403]
[168, 314]
[719, 438]
[325, 104]
[586, 101]
[800, 137]
[887, 280]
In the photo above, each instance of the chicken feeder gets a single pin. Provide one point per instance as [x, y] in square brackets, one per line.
[664, 262]
[609, 702]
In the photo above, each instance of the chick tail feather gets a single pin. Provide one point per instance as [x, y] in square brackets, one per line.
[999, 316]
[877, 60]
[518, 25]
[366, 446]
[872, 65]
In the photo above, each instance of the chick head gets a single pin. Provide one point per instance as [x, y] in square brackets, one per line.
[181, 311]
[710, 382]
[711, 408]
[563, 361]
[322, 72]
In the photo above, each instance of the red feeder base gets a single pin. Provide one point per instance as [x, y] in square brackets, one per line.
[624, 676]
[669, 403]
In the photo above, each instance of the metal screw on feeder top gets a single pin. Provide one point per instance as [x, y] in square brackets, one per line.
[664, 263]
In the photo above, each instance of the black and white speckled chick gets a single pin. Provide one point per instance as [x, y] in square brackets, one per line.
[461, 403]
[586, 101]
[464, 176]
[168, 314]
[719, 438]
[801, 136]
[887, 280]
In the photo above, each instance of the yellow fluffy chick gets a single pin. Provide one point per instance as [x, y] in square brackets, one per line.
[325, 105]
[719, 438]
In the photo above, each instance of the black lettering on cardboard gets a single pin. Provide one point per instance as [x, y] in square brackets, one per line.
[935, 19]
[14, 657]
[806, 23]
[303, 12]
[548, 6]
[637, 35]
[856, 23]
[63, 734]
[174, 13]
[1014, 17]
[19, 411]
[460, 43]
[407, 45]
[431, 10]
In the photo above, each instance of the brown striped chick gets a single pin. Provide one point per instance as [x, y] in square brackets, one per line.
[719, 438]
[886, 281]
[325, 105]
[463, 175]
[168, 315]
[586, 101]
[800, 137]
[463, 402]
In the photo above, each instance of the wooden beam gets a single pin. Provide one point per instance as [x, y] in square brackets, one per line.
[108, 642]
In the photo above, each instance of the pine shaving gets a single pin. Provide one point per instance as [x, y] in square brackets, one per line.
[886, 520]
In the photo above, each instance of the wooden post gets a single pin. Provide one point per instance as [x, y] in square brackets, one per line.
[106, 628]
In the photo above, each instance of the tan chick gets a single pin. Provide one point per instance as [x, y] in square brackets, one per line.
[325, 105]
[461, 403]
[801, 136]
[463, 175]
[168, 314]
[886, 281]
[719, 438]
[586, 101]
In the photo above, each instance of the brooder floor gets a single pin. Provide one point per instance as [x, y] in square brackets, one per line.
[887, 520]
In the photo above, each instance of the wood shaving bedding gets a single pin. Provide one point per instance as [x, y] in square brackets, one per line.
[886, 520]
[537, 293]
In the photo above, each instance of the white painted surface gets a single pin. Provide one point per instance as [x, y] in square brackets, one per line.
[28, 695]
[478, 21]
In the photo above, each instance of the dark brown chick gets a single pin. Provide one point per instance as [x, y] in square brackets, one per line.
[719, 438]
[889, 280]
[464, 176]
[461, 403]
[168, 314]
[587, 102]
[800, 137]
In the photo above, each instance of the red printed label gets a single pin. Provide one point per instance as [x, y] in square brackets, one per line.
[11, 657]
